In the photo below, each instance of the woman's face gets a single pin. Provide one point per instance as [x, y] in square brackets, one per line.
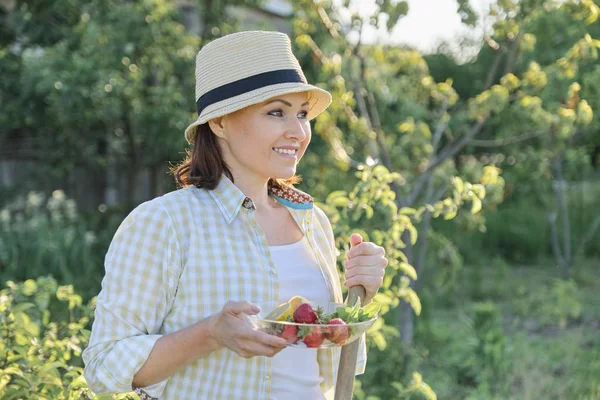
[267, 140]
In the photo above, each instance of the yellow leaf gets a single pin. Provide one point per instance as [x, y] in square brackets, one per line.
[408, 270]
[407, 211]
[450, 214]
[476, 206]
[414, 302]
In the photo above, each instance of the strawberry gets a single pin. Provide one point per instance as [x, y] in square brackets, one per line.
[289, 333]
[338, 332]
[314, 337]
[305, 314]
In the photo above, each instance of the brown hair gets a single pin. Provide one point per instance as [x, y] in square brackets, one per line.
[204, 164]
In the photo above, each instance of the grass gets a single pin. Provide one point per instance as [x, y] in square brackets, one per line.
[542, 358]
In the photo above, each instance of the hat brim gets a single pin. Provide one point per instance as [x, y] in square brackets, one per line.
[320, 99]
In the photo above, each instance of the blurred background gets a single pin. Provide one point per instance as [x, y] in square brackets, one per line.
[464, 137]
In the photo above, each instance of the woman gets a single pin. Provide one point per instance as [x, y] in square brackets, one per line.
[182, 268]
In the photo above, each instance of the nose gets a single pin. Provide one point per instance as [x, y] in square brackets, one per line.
[298, 129]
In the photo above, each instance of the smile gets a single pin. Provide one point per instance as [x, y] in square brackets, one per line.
[288, 153]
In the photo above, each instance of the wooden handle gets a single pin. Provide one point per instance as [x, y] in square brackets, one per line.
[347, 369]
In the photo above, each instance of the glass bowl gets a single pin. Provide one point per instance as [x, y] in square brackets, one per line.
[307, 335]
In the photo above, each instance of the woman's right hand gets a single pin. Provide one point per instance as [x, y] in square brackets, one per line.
[229, 329]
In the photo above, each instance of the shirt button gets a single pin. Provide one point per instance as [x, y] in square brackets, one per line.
[267, 377]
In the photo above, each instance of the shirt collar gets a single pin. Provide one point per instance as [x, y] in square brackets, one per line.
[230, 198]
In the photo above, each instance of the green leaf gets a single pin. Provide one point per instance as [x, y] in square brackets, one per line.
[11, 371]
[458, 184]
[378, 340]
[476, 206]
[413, 233]
[369, 212]
[408, 270]
[29, 287]
[372, 309]
[407, 211]
[414, 301]
[17, 394]
[336, 194]
[22, 307]
[451, 214]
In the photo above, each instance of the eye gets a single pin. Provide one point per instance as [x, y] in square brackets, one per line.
[279, 113]
[276, 113]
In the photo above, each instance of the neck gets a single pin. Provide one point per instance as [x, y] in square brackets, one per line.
[255, 188]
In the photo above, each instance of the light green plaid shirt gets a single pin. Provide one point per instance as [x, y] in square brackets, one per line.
[178, 259]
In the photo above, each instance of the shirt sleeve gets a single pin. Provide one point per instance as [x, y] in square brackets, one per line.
[137, 292]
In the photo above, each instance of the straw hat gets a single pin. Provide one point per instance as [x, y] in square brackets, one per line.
[245, 68]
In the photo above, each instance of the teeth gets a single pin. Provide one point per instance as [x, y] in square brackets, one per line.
[285, 151]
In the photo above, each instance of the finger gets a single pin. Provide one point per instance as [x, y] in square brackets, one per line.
[365, 261]
[250, 349]
[366, 271]
[238, 307]
[265, 339]
[370, 282]
[367, 248]
[355, 239]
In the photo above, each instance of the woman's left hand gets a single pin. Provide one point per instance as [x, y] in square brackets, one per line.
[365, 265]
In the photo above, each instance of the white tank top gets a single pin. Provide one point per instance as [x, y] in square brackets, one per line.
[295, 371]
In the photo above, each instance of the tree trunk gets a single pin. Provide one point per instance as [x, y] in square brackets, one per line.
[406, 312]
[560, 186]
[207, 18]
[423, 235]
[132, 162]
[111, 190]
[406, 323]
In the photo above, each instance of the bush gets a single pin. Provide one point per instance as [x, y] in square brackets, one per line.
[552, 305]
[41, 236]
[387, 370]
[490, 349]
[43, 330]
[518, 230]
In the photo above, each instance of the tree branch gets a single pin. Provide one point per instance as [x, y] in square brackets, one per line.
[449, 151]
[423, 232]
[554, 240]
[505, 142]
[494, 68]
[437, 196]
[360, 99]
[380, 136]
[512, 54]
[588, 235]
[327, 21]
[439, 131]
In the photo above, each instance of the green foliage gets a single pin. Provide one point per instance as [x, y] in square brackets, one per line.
[44, 331]
[106, 84]
[518, 231]
[554, 305]
[487, 279]
[417, 389]
[490, 348]
[381, 380]
[538, 360]
[355, 313]
[121, 72]
[42, 235]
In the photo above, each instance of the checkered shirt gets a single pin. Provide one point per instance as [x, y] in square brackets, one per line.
[176, 260]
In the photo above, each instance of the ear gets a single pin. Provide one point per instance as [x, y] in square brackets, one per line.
[216, 125]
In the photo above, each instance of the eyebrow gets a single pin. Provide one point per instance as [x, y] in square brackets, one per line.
[285, 102]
